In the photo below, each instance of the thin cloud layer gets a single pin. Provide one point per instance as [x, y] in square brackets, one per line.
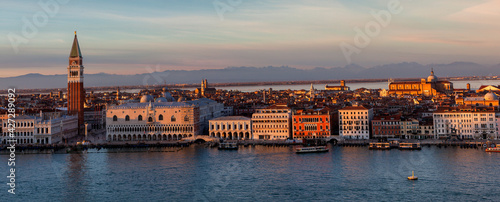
[121, 37]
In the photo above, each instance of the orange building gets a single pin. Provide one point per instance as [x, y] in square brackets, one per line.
[429, 87]
[488, 100]
[342, 87]
[311, 123]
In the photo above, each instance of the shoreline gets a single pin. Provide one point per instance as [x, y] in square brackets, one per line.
[239, 84]
[155, 146]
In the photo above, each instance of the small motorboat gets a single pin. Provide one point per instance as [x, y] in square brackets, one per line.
[412, 177]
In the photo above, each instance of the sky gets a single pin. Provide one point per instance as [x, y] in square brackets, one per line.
[129, 37]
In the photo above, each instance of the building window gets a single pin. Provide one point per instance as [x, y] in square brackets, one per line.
[160, 117]
[172, 119]
[139, 118]
[115, 118]
[150, 119]
[186, 118]
[127, 118]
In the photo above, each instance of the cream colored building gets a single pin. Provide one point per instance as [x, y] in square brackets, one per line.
[272, 123]
[428, 87]
[231, 128]
[151, 121]
[37, 130]
[354, 122]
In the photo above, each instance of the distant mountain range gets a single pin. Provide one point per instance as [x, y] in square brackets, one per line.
[257, 74]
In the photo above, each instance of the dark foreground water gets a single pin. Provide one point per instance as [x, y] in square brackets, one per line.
[257, 173]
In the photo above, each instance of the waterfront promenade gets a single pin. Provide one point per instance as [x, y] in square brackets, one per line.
[100, 143]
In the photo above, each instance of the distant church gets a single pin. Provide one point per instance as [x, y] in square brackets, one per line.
[430, 87]
[204, 90]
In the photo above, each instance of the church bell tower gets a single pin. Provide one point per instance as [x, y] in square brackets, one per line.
[76, 93]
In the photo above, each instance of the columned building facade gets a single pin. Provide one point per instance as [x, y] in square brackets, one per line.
[152, 121]
[37, 130]
[231, 128]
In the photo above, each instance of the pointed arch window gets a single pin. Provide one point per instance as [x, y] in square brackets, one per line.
[115, 118]
[139, 118]
[150, 119]
[127, 118]
[186, 118]
[172, 119]
[160, 117]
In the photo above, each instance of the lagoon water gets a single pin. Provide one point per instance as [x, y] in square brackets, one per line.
[258, 173]
[475, 84]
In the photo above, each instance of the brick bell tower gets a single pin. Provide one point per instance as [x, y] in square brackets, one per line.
[76, 93]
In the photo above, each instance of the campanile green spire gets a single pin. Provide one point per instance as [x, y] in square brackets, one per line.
[75, 50]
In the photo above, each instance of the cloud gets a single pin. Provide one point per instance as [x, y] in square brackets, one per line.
[301, 33]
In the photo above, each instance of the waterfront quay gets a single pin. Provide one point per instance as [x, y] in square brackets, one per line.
[159, 146]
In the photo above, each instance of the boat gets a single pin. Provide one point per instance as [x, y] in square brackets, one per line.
[380, 145]
[493, 149]
[228, 146]
[412, 177]
[311, 149]
[410, 146]
[85, 142]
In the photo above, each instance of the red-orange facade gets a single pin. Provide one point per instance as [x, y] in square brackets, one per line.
[312, 123]
[386, 126]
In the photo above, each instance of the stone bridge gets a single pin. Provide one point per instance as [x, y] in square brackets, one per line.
[335, 139]
[206, 138]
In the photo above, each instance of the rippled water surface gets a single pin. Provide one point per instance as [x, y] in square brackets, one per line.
[257, 173]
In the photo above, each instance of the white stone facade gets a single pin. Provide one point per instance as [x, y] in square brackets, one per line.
[35, 130]
[465, 123]
[354, 122]
[231, 128]
[152, 121]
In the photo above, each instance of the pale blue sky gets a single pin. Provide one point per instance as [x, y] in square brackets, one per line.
[125, 37]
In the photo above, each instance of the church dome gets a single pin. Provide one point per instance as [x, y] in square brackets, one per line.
[169, 97]
[490, 96]
[432, 77]
[161, 99]
[147, 98]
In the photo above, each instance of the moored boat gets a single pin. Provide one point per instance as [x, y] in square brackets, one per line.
[493, 149]
[311, 149]
[410, 146]
[380, 145]
[228, 146]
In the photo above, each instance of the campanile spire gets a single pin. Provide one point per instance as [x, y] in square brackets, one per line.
[76, 93]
